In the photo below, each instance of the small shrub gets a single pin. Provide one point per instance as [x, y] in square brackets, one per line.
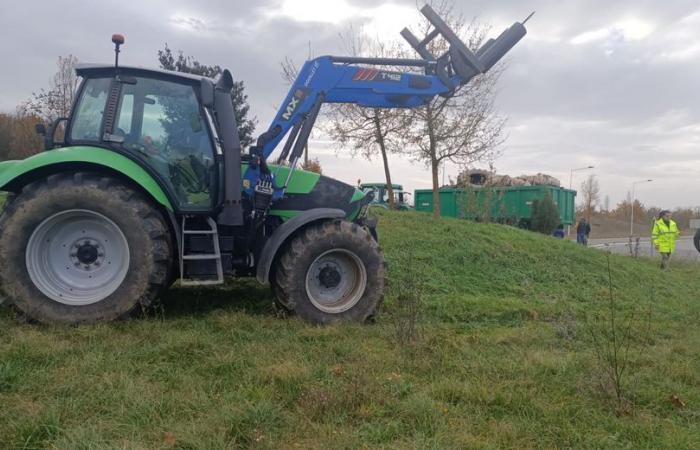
[545, 215]
[613, 338]
[634, 245]
[409, 303]
[565, 326]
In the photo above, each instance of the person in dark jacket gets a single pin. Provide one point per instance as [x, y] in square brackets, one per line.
[559, 232]
[583, 230]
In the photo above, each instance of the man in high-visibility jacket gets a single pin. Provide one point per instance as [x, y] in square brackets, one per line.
[664, 235]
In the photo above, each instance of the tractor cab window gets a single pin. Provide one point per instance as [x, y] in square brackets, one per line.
[161, 121]
[87, 121]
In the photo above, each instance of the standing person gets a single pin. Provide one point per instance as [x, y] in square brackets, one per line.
[583, 230]
[664, 235]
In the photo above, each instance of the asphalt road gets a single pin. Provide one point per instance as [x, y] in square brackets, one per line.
[685, 248]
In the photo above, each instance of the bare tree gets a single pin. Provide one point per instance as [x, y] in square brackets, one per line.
[57, 101]
[590, 191]
[606, 203]
[623, 210]
[370, 132]
[464, 128]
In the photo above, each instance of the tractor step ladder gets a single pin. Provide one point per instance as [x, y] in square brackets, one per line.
[216, 256]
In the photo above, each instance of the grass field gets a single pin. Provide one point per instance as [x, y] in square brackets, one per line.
[504, 360]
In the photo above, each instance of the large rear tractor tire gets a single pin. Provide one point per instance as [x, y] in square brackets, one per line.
[696, 240]
[82, 248]
[334, 271]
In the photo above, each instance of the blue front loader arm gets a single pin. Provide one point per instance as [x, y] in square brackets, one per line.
[331, 79]
[343, 83]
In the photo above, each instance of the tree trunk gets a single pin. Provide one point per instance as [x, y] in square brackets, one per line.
[385, 160]
[434, 162]
[389, 187]
[435, 168]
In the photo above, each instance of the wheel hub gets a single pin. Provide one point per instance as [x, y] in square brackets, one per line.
[336, 281]
[88, 253]
[329, 276]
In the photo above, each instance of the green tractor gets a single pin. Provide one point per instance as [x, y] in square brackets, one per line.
[149, 185]
[380, 195]
[135, 198]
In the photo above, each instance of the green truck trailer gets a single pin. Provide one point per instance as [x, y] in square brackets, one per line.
[506, 204]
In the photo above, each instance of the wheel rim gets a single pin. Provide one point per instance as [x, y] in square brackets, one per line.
[77, 257]
[336, 281]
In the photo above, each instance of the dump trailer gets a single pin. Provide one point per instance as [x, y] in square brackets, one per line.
[149, 185]
[506, 204]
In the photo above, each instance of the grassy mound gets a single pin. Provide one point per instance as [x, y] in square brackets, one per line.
[505, 358]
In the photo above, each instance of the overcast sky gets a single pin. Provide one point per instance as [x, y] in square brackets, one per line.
[608, 84]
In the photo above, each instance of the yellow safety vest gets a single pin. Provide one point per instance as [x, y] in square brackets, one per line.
[664, 236]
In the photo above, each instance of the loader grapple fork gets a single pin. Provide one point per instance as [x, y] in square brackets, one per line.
[459, 60]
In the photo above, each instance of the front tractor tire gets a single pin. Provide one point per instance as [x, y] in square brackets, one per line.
[82, 248]
[333, 271]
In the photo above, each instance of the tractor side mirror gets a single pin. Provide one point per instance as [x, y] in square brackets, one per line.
[207, 93]
[58, 132]
[50, 140]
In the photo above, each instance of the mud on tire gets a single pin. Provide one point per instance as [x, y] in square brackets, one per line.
[332, 260]
[143, 236]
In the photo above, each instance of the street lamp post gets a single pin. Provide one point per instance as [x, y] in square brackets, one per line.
[571, 175]
[571, 186]
[634, 186]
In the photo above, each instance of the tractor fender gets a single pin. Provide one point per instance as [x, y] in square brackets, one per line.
[15, 174]
[284, 231]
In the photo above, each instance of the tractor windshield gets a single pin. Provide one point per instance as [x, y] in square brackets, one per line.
[162, 122]
[87, 120]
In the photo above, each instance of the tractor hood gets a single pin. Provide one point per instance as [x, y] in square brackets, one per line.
[308, 190]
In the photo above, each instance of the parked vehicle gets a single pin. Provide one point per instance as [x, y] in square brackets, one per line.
[380, 195]
[509, 204]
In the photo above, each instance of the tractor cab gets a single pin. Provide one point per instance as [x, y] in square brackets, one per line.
[155, 118]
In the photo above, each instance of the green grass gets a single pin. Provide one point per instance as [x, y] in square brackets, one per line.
[503, 360]
[3, 197]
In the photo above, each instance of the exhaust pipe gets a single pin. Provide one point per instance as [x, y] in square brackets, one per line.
[232, 211]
